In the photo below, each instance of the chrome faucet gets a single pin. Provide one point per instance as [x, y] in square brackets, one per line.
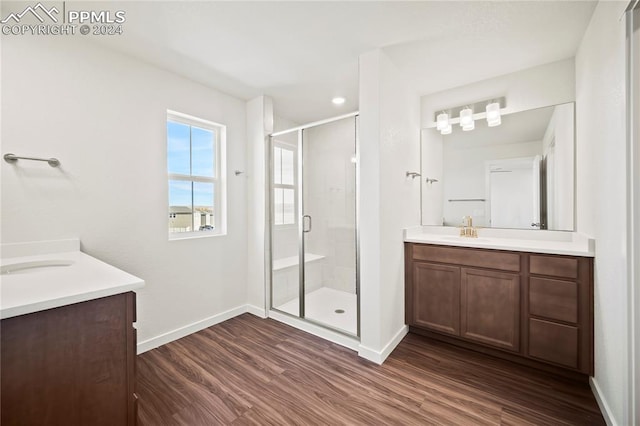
[467, 229]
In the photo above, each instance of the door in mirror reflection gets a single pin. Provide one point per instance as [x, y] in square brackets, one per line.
[513, 188]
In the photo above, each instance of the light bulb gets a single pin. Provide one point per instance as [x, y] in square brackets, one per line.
[442, 121]
[466, 119]
[493, 114]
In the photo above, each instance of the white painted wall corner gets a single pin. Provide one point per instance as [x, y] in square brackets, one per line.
[380, 356]
[602, 402]
[257, 311]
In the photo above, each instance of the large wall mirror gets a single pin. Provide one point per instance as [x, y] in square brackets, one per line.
[517, 175]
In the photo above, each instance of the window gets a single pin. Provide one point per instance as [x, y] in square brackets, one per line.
[195, 165]
[284, 187]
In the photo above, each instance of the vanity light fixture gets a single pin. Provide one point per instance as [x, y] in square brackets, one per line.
[442, 121]
[493, 114]
[466, 119]
[338, 100]
[445, 118]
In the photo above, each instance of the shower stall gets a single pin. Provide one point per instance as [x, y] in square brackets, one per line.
[313, 225]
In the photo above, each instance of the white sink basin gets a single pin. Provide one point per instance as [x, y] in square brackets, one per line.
[36, 266]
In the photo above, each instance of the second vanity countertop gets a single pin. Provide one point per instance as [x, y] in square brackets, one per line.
[30, 289]
[533, 241]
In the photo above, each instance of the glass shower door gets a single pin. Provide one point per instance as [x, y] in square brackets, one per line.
[313, 224]
[286, 284]
[328, 224]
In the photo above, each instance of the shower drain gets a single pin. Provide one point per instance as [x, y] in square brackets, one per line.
[339, 311]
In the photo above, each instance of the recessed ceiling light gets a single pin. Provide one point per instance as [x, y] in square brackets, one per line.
[338, 100]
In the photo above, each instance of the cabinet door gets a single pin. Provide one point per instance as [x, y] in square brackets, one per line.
[490, 303]
[66, 365]
[436, 297]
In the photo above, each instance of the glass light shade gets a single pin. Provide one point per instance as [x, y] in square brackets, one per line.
[442, 121]
[468, 127]
[447, 130]
[494, 123]
[466, 119]
[493, 114]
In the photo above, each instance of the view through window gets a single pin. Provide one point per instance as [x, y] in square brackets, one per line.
[193, 165]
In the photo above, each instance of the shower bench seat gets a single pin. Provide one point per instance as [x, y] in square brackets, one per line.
[289, 262]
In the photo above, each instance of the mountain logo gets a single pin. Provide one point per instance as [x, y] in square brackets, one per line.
[38, 11]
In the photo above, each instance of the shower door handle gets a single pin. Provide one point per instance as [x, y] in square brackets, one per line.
[306, 216]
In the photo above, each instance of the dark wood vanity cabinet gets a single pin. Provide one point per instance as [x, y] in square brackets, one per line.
[527, 307]
[72, 365]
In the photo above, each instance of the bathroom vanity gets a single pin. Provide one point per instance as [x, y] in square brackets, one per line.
[529, 301]
[67, 338]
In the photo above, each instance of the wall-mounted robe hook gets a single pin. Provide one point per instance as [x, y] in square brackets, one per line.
[413, 175]
[238, 172]
[431, 180]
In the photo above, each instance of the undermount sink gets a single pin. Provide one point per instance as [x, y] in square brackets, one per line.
[470, 239]
[36, 266]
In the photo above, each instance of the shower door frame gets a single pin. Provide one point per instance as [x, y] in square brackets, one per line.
[299, 218]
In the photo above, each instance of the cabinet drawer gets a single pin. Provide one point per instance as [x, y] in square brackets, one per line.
[553, 299]
[554, 266]
[467, 257]
[553, 342]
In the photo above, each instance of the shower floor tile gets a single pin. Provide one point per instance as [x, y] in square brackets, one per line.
[321, 306]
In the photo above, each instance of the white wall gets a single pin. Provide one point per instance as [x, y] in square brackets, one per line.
[536, 87]
[389, 202]
[259, 113]
[103, 115]
[601, 196]
[432, 154]
[634, 206]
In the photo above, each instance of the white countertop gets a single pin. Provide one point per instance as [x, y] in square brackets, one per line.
[550, 242]
[87, 278]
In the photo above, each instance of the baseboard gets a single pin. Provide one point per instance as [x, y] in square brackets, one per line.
[332, 336]
[257, 311]
[380, 356]
[181, 332]
[349, 342]
[602, 402]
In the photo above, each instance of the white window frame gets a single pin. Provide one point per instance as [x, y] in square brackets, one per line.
[294, 186]
[219, 179]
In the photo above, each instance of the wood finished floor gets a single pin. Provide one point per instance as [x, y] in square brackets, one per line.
[253, 371]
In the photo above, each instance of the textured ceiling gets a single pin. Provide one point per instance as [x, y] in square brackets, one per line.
[304, 53]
